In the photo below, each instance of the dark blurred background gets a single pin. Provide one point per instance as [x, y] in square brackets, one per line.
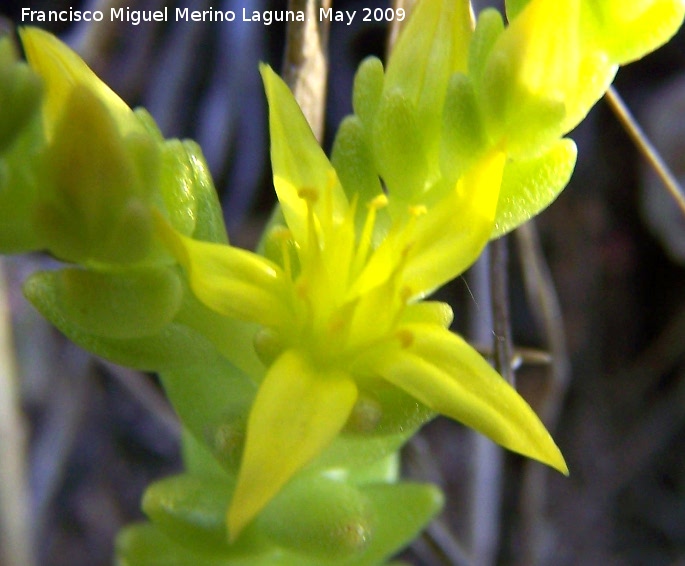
[614, 243]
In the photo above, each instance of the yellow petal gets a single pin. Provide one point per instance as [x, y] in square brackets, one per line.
[231, 281]
[546, 32]
[298, 411]
[447, 375]
[629, 30]
[451, 235]
[531, 74]
[61, 69]
[431, 48]
[298, 162]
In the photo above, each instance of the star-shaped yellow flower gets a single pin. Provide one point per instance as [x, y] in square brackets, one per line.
[340, 308]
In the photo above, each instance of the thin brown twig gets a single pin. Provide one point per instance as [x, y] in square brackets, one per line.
[396, 25]
[547, 313]
[305, 65]
[499, 290]
[149, 397]
[15, 528]
[642, 142]
[485, 490]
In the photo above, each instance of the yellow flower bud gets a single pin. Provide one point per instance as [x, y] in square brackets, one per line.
[531, 75]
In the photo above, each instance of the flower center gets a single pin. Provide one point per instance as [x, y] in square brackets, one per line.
[345, 294]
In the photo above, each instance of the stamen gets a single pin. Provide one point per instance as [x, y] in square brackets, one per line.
[331, 180]
[417, 210]
[366, 237]
[378, 202]
[284, 237]
[405, 294]
[310, 194]
[406, 338]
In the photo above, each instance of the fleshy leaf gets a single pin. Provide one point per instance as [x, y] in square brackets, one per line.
[529, 186]
[489, 27]
[399, 149]
[298, 411]
[188, 192]
[514, 7]
[20, 91]
[173, 347]
[406, 509]
[531, 73]
[22, 175]
[368, 86]
[191, 509]
[353, 161]
[212, 399]
[320, 516]
[131, 304]
[463, 134]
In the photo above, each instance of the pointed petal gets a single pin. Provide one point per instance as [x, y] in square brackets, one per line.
[231, 281]
[298, 411]
[61, 69]
[451, 235]
[627, 31]
[298, 161]
[446, 374]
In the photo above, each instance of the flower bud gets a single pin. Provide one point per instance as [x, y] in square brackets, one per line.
[628, 30]
[530, 75]
[98, 210]
[20, 91]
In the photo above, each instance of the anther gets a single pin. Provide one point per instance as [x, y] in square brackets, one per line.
[405, 294]
[378, 202]
[310, 194]
[405, 337]
[417, 210]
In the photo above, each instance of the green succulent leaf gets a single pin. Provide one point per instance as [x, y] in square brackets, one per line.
[489, 27]
[530, 186]
[368, 87]
[353, 160]
[464, 137]
[20, 91]
[174, 346]
[399, 148]
[191, 509]
[131, 304]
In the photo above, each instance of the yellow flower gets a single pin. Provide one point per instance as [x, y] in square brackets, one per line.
[340, 310]
[557, 58]
[102, 165]
[62, 71]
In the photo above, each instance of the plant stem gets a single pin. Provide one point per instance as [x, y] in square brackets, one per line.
[486, 474]
[642, 142]
[15, 531]
[305, 66]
